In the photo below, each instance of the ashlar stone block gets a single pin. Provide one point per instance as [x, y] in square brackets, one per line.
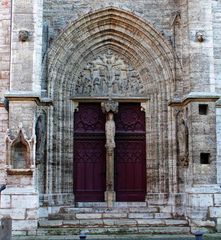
[24, 201]
[217, 200]
[215, 212]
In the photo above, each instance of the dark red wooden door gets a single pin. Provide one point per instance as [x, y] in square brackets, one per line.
[130, 154]
[89, 153]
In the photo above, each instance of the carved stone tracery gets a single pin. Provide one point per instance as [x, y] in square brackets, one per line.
[109, 75]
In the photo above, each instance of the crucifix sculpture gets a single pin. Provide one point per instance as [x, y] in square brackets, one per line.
[109, 108]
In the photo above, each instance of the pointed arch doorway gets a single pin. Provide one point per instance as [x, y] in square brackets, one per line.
[142, 67]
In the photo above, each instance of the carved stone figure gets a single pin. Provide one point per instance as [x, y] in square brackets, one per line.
[108, 74]
[110, 131]
[182, 135]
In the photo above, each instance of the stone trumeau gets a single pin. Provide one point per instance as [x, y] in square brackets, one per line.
[110, 116]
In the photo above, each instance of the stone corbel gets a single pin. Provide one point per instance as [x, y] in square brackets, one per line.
[144, 107]
[75, 106]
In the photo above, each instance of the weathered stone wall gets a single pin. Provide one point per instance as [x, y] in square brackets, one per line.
[203, 142]
[26, 53]
[216, 11]
[24, 19]
[22, 205]
[5, 21]
[59, 13]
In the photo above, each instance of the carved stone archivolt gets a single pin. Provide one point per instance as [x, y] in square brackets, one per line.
[109, 75]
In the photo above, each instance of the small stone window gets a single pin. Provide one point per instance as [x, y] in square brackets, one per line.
[204, 158]
[203, 109]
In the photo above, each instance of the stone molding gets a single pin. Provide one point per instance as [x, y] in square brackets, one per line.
[28, 96]
[194, 97]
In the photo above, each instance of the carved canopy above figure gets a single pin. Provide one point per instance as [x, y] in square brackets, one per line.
[109, 75]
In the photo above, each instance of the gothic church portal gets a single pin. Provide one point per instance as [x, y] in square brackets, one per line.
[110, 115]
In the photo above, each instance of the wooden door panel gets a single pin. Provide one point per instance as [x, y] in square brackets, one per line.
[89, 153]
[130, 154]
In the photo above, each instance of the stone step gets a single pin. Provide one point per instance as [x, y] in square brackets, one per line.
[91, 204]
[104, 209]
[108, 215]
[114, 230]
[70, 213]
[117, 237]
[116, 204]
[90, 223]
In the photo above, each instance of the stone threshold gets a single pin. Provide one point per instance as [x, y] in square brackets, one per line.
[110, 237]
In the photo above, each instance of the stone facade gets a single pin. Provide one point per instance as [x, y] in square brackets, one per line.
[164, 55]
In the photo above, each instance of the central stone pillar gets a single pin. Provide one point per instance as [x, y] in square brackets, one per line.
[109, 108]
[110, 195]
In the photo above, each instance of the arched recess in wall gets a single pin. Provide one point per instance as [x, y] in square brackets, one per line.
[41, 146]
[109, 29]
[20, 153]
[19, 148]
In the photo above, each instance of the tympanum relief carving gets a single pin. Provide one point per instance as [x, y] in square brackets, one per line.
[109, 75]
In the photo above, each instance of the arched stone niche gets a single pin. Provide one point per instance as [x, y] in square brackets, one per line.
[41, 149]
[19, 152]
[82, 53]
[41, 135]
